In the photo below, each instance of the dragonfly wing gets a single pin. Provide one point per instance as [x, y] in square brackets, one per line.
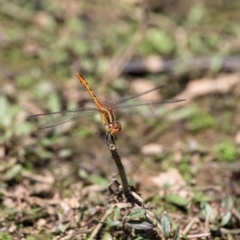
[128, 98]
[59, 118]
[141, 103]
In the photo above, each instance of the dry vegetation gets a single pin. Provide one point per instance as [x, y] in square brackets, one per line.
[181, 159]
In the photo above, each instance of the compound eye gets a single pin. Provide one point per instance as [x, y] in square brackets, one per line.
[115, 127]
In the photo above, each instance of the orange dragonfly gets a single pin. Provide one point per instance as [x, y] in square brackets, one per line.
[112, 127]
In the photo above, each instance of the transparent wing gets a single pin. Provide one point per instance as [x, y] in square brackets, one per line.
[128, 98]
[131, 101]
[59, 118]
[140, 103]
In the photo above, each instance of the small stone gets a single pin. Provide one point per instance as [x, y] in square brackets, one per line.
[152, 148]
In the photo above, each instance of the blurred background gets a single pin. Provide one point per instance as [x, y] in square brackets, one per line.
[121, 48]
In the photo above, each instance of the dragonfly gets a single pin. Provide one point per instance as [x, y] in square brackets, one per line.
[112, 127]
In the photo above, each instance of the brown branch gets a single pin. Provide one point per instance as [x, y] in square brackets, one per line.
[112, 148]
[130, 196]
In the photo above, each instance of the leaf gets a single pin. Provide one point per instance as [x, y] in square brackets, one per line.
[226, 219]
[141, 225]
[62, 227]
[7, 112]
[53, 102]
[157, 40]
[45, 154]
[13, 172]
[226, 151]
[136, 214]
[196, 13]
[23, 128]
[114, 223]
[63, 153]
[83, 174]
[117, 212]
[3, 106]
[176, 199]
[200, 196]
[228, 203]
[166, 225]
[207, 211]
[176, 235]
[98, 180]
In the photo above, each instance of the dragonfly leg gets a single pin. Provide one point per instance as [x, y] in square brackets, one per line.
[113, 138]
[109, 138]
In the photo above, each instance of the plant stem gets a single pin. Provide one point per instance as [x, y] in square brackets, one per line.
[121, 170]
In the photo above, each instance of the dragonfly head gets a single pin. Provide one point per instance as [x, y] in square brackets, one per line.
[114, 128]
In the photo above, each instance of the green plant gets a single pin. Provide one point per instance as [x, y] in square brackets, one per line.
[226, 151]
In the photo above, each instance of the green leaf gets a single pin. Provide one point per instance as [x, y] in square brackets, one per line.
[3, 107]
[98, 179]
[207, 211]
[226, 219]
[202, 120]
[216, 64]
[200, 196]
[176, 235]
[62, 227]
[75, 24]
[53, 102]
[63, 153]
[23, 128]
[114, 223]
[176, 199]
[5, 236]
[196, 13]
[157, 40]
[7, 112]
[13, 172]
[227, 203]
[166, 225]
[226, 151]
[83, 173]
[141, 225]
[117, 212]
[45, 154]
[136, 214]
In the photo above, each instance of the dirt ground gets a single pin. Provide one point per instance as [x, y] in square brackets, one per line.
[181, 159]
